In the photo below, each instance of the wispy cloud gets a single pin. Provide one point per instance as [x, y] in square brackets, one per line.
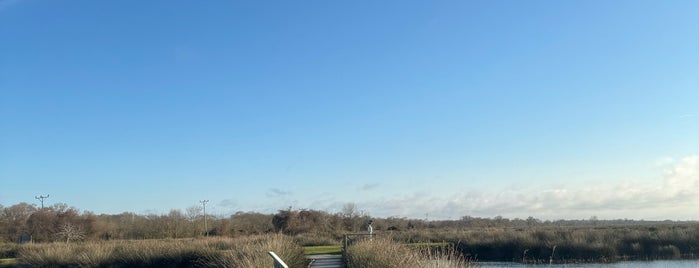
[673, 195]
[275, 192]
[369, 186]
[228, 203]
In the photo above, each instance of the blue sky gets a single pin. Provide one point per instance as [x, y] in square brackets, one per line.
[552, 109]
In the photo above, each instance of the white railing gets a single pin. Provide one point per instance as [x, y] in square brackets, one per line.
[278, 263]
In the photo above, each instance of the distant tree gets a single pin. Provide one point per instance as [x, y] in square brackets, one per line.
[70, 232]
[245, 223]
[41, 225]
[281, 220]
[193, 212]
[60, 207]
[13, 220]
[349, 210]
[176, 223]
[350, 214]
[531, 221]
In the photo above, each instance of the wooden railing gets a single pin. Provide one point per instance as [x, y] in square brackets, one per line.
[351, 238]
[278, 263]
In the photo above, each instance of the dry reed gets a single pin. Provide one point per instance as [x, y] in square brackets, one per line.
[386, 253]
[211, 252]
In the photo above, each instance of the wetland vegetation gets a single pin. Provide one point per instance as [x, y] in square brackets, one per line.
[64, 236]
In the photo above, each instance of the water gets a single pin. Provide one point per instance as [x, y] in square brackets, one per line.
[625, 264]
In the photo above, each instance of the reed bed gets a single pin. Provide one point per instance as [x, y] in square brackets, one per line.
[386, 253]
[568, 244]
[210, 252]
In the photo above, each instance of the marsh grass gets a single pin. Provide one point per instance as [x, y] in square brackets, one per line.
[211, 252]
[384, 252]
[8, 250]
[252, 252]
[572, 244]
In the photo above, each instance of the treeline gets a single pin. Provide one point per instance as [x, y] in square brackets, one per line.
[60, 222]
[488, 239]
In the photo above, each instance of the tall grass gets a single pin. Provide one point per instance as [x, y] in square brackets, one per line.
[212, 252]
[8, 250]
[386, 253]
[252, 252]
[572, 244]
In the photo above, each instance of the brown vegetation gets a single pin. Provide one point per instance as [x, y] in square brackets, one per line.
[62, 223]
[385, 252]
[568, 244]
[205, 252]
[487, 239]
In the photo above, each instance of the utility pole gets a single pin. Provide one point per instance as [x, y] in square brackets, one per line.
[41, 198]
[206, 228]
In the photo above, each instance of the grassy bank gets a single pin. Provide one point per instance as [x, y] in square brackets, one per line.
[212, 252]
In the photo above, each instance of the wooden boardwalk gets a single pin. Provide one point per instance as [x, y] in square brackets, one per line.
[326, 261]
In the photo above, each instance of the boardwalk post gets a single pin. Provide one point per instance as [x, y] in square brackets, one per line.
[278, 263]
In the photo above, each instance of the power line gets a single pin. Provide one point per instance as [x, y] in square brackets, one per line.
[41, 198]
[206, 228]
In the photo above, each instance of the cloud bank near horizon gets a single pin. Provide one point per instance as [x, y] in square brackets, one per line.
[673, 195]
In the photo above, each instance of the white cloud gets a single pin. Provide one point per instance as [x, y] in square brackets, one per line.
[673, 195]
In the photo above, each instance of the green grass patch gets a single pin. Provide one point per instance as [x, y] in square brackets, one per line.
[314, 250]
[7, 262]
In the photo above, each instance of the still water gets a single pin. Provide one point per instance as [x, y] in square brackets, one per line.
[627, 264]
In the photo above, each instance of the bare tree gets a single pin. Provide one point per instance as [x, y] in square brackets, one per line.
[351, 216]
[349, 210]
[193, 212]
[70, 231]
[175, 222]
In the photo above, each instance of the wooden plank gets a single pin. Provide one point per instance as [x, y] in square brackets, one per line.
[326, 261]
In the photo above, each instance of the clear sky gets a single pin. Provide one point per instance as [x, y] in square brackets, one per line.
[439, 109]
